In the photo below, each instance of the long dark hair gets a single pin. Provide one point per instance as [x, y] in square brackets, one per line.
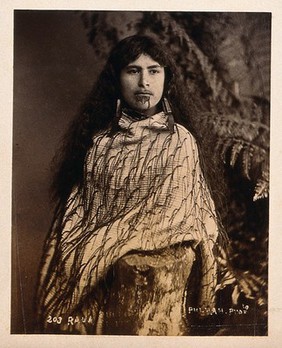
[99, 109]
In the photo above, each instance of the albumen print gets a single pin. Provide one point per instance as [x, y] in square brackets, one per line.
[141, 173]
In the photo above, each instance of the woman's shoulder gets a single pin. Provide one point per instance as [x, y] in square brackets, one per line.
[183, 132]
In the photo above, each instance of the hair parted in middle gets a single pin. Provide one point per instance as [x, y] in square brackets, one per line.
[131, 48]
[99, 108]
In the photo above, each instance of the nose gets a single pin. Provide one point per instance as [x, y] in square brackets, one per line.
[143, 80]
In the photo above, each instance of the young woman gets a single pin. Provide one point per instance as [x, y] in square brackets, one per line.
[129, 185]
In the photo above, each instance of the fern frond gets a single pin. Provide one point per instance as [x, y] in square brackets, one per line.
[213, 81]
[261, 189]
[247, 160]
[250, 284]
[236, 149]
[222, 146]
[262, 186]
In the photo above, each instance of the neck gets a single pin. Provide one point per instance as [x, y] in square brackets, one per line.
[138, 115]
[141, 114]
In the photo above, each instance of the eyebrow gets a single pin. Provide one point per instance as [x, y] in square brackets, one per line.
[139, 67]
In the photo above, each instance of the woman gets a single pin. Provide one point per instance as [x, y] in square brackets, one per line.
[129, 182]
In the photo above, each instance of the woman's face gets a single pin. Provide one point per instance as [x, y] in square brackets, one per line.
[142, 84]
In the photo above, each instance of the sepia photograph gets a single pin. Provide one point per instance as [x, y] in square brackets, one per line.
[140, 173]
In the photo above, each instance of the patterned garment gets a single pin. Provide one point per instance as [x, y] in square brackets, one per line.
[143, 190]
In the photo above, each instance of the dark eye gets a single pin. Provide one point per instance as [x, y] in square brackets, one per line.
[132, 71]
[154, 71]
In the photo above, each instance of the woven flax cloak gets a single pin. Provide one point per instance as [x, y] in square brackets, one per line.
[143, 190]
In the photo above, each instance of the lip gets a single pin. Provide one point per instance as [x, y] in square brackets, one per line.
[143, 93]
